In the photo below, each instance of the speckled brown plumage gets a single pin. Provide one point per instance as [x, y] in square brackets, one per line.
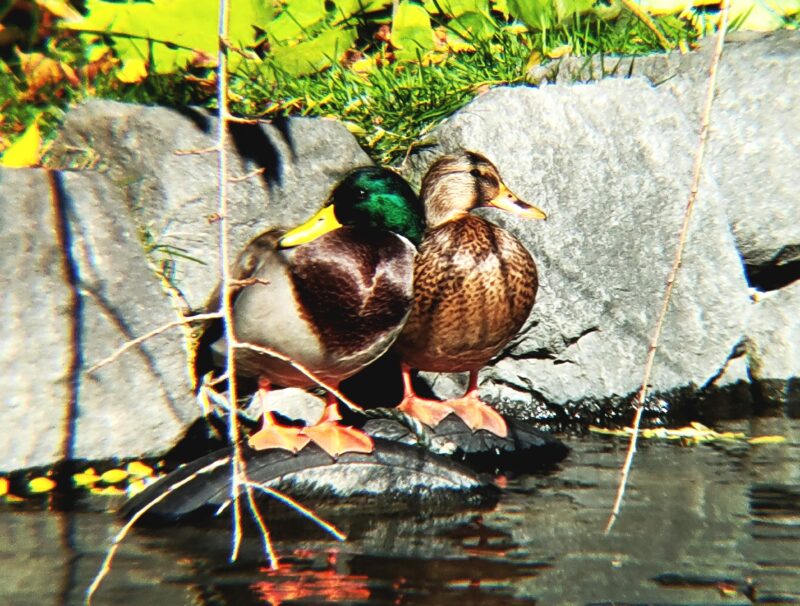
[474, 286]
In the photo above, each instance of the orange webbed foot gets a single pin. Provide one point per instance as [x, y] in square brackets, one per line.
[430, 412]
[272, 435]
[337, 439]
[479, 415]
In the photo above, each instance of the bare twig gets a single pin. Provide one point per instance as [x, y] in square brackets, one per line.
[645, 18]
[268, 549]
[196, 152]
[250, 175]
[237, 463]
[153, 333]
[335, 532]
[302, 369]
[105, 568]
[651, 352]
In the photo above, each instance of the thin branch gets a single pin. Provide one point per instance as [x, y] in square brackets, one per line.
[302, 369]
[696, 174]
[327, 526]
[271, 556]
[237, 462]
[156, 331]
[105, 568]
[645, 18]
[196, 152]
[250, 175]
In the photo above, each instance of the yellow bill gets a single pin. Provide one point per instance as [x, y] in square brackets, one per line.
[321, 223]
[506, 200]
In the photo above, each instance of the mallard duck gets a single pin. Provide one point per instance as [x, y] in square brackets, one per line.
[331, 294]
[474, 286]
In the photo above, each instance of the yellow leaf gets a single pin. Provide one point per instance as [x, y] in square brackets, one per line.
[108, 491]
[767, 440]
[516, 28]
[42, 484]
[112, 476]
[3, 487]
[25, 151]
[534, 60]
[354, 128]
[97, 52]
[87, 478]
[133, 71]
[560, 51]
[139, 469]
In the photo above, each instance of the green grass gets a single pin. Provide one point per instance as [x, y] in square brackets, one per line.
[389, 109]
[397, 104]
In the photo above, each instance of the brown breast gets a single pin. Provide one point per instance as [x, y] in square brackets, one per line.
[474, 286]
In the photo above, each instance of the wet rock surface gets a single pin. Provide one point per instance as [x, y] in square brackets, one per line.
[393, 478]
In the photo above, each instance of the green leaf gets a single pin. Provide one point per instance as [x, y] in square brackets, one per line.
[471, 26]
[171, 32]
[456, 8]
[314, 55]
[568, 8]
[536, 14]
[297, 20]
[348, 8]
[412, 34]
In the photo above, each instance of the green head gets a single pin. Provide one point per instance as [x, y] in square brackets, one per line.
[368, 198]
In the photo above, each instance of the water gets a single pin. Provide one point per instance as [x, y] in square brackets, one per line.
[710, 524]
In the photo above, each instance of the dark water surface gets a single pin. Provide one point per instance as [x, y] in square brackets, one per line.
[710, 524]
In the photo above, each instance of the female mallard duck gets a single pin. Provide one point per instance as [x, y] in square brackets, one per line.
[331, 294]
[474, 286]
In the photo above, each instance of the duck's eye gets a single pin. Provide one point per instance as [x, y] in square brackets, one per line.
[361, 194]
[475, 173]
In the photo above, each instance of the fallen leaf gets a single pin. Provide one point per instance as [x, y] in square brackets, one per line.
[767, 440]
[133, 71]
[25, 151]
[113, 476]
[39, 485]
[41, 71]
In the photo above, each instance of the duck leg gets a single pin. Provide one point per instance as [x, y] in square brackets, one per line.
[430, 412]
[272, 435]
[336, 439]
[477, 414]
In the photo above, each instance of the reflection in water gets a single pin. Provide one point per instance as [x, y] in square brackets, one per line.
[713, 524]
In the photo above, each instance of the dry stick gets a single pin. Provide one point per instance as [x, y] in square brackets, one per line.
[270, 551]
[238, 465]
[302, 369]
[651, 353]
[106, 566]
[338, 534]
[645, 18]
[227, 308]
[156, 331]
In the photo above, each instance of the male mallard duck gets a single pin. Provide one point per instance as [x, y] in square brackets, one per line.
[474, 286]
[331, 294]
